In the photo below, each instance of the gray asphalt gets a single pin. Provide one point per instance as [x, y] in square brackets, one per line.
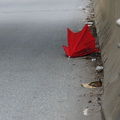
[37, 81]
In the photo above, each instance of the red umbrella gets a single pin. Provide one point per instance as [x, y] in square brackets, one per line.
[80, 43]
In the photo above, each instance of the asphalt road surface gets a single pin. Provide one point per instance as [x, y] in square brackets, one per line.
[37, 81]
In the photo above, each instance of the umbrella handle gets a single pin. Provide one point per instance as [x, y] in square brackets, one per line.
[68, 57]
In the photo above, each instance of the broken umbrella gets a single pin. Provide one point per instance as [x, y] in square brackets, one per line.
[80, 44]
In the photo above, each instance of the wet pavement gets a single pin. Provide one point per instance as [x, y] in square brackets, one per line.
[37, 81]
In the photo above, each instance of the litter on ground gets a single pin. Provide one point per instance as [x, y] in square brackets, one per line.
[94, 84]
[80, 44]
[99, 68]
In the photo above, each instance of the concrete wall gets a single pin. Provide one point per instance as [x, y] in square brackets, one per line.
[106, 14]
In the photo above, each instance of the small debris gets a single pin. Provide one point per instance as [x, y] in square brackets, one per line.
[89, 101]
[93, 59]
[86, 85]
[89, 23]
[99, 99]
[85, 111]
[99, 68]
[86, 11]
[94, 84]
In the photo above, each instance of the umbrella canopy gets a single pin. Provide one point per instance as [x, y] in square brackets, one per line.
[80, 43]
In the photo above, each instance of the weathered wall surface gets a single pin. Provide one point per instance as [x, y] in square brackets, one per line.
[106, 14]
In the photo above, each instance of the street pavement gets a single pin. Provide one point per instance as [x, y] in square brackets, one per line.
[37, 81]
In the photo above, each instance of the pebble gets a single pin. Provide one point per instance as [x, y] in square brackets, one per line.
[89, 101]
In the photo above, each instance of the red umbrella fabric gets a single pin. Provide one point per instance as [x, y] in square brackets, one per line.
[80, 43]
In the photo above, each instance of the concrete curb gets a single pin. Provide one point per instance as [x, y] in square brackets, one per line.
[106, 14]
